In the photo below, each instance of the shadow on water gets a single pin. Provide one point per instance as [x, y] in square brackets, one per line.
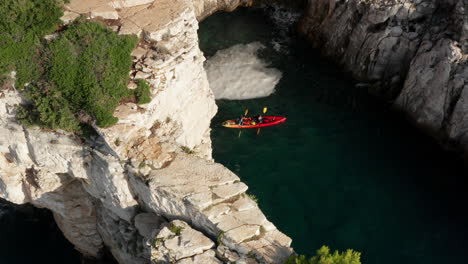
[30, 235]
[344, 170]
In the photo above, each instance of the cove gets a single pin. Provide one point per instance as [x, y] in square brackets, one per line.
[344, 170]
[30, 235]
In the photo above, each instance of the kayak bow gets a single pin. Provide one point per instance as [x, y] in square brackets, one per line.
[251, 122]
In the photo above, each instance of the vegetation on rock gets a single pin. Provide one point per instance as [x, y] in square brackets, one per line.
[23, 24]
[84, 76]
[143, 92]
[253, 197]
[324, 256]
[176, 229]
[187, 150]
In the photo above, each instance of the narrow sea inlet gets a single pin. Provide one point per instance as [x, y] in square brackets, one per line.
[344, 170]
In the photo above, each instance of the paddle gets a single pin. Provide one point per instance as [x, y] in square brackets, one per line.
[264, 111]
[245, 114]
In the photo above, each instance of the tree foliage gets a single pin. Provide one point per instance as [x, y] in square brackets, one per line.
[85, 74]
[23, 23]
[143, 92]
[324, 256]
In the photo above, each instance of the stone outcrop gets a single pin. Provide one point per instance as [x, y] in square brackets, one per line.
[177, 242]
[413, 51]
[126, 186]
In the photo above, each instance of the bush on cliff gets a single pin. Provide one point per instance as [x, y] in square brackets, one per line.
[143, 92]
[23, 23]
[325, 257]
[85, 74]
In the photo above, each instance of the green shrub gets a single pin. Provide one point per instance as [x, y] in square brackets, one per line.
[187, 150]
[85, 77]
[23, 23]
[143, 92]
[253, 197]
[325, 257]
[49, 109]
[176, 229]
[220, 238]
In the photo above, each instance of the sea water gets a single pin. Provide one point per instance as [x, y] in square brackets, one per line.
[344, 170]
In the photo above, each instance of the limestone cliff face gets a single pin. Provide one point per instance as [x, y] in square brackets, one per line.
[420, 45]
[147, 183]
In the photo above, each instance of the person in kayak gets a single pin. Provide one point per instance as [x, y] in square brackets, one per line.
[259, 119]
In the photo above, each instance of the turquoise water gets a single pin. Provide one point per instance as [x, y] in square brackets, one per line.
[344, 170]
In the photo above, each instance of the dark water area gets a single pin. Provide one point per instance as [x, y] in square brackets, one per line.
[30, 235]
[344, 170]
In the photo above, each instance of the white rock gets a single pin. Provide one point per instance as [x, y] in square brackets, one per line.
[105, 12]
[128, 3]
[227, 191]
[142, 75]
[244, 203]
[187, 242]
[69, 16]
[243, 233]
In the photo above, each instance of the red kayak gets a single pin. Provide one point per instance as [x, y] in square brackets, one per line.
[251, 122]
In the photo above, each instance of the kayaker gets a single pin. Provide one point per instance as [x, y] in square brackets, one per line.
[259, 119]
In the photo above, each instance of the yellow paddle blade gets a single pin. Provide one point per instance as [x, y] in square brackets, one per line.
[246, 112]
[265, 109]
[258, 131]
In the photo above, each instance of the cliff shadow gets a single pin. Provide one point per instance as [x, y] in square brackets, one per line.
[3, 190]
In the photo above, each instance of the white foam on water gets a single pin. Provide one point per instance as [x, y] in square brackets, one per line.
[237, 73]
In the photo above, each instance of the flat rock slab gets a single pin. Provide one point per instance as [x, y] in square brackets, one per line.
[227, 191]
[208, 257]
[244, 232]
[178, 240]
[192, 172]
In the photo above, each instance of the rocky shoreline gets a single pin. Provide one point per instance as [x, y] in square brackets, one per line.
[414, 52]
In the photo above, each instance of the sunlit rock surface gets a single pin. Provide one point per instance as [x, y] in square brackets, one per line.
[120, 188]
[420, 45]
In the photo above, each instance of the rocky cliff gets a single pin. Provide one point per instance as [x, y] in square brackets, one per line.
[146, 188]
[414, 52]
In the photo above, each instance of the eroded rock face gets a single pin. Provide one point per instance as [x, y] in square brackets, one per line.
[119, 189]
[420, 45]
[211, 198]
